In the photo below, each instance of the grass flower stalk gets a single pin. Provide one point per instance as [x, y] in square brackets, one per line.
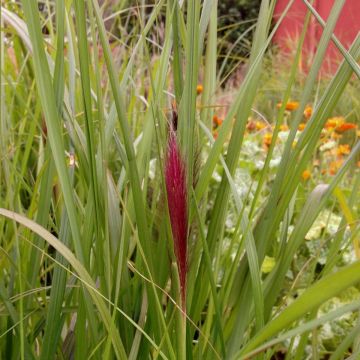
[175, 179]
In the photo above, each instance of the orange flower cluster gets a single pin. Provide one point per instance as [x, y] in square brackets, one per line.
[199, 89]
[253, 125]
[308, 112]
[339, 124]
[331, 152]
[343, 149]
[334, 122]
[346, 126]
[260, 125]
[335, 165]
[306, 175]
[284, 127]
[293, 105]
[216, 123]
[334, 156]
[290, 105]
[267, 138]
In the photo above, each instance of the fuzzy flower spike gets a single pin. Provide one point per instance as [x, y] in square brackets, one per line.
[175, 179]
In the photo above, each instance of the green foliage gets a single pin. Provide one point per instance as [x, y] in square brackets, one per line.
[235, 17]
[274, 82]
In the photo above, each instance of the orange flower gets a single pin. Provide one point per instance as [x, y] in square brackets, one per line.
[301, 126]
[308, 112]
[217, 121]
[324, 134]
[215, 134]
[343, 149]
[334, 166]
[267, 139]
[306, 175]
[284, 127]
[255, 125]
[290, 105]
[345, 126]
[260, 125]
[334, 122]
[336, 136]
[199, 89]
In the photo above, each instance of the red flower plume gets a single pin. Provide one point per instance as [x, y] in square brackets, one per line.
[175, 179]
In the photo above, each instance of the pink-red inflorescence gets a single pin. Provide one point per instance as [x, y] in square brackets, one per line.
[175, 179]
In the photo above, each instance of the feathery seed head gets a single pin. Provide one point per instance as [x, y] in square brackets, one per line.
[175, 180]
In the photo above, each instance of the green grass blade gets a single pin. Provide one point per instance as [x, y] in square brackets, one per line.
[81, 271]
[313, 324]
[211, 278]
[350, 60]
[187, 110]
[312, 298]
[48, 101]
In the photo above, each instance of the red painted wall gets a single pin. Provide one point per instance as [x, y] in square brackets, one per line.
[347, 28]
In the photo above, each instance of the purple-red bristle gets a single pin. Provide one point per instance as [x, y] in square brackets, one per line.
[175, 179]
